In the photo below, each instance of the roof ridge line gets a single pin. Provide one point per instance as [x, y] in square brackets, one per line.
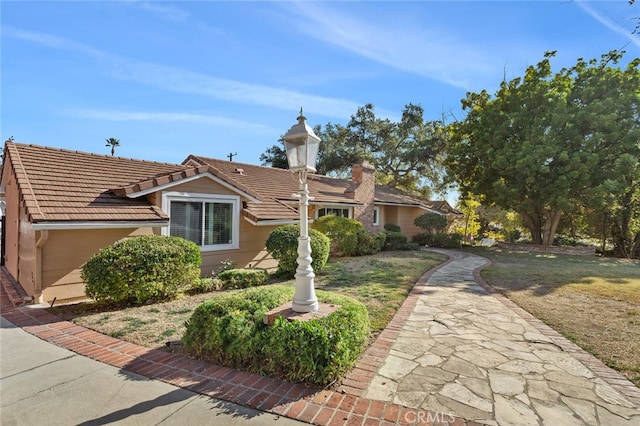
[94, 154]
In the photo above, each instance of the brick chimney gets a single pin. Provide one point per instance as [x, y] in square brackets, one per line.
[362, 190]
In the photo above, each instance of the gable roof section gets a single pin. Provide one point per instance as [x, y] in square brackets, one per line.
[386, 195]
[58, 185]
[275, 188]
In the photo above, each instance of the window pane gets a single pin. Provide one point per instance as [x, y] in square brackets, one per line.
[218, 223]
[186, 221]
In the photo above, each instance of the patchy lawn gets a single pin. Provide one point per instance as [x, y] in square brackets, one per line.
[593, 301]
[381, 282]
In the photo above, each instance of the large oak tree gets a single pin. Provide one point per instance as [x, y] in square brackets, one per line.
[407, 154]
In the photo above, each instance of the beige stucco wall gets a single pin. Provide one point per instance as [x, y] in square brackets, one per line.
[19, 236]
[204, 185]
[405, 217]
[251, 253]
[64, 253]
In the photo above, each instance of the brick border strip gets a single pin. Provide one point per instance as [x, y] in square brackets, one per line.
[608, 374]
[299, 402]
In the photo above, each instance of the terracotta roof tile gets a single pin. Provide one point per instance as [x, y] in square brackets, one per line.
[64, 185]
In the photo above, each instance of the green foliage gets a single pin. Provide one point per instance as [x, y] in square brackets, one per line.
[395, 241]
[470, 224]
[370, 242]
[204, 285]
[431, 222]
[441, 240]
[242, 278]
[142, 269]
[282, 244]
[342, 231]
[406, 153]
[549, 141]
[391, 227]
[228, 330]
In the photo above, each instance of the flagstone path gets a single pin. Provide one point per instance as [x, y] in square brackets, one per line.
[466, 352]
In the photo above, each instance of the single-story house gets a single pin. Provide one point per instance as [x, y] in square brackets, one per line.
[62, 206]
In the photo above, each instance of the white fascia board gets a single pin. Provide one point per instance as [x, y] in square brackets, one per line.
[97, 225]
[189, 179]
[410, 205]
[272, 222]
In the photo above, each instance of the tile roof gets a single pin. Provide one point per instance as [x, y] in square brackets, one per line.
[60, 185]
[276, 188]
[63, 185]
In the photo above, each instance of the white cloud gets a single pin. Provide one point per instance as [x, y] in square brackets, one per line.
[170, 13]
[183, 81]
[604, 20]
[51, 41]
[123, 115]
[435, 53]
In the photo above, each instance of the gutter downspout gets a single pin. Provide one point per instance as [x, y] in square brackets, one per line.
[44, 236]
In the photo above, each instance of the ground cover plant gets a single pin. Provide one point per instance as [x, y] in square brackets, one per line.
[229, 330]
[593, 301]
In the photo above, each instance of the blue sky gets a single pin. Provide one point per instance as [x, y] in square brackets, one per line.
[169, 79]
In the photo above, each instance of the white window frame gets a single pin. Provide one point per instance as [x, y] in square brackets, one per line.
[191, 197]
[349, 210]
[376, 216]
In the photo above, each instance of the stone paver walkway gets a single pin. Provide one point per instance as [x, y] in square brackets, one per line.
[466, 352]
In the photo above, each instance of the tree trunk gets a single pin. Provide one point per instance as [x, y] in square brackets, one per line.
[533, 223]
[551, 221]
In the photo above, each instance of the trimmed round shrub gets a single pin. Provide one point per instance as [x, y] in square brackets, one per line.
[228, 330]
[370, 243]
[142, 269]
[342, 231]
[395, 241]
[431, 222]
[391, 227]
[282, 244]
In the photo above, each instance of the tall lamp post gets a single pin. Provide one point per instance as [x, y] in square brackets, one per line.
[302, 149]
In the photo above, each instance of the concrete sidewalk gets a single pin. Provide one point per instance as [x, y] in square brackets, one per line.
[44, 384]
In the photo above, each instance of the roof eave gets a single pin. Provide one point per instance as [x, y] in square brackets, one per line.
[106, 224]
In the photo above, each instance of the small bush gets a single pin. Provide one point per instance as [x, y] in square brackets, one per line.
[205, 285]
[395, 241]
[370, 243]
[228, 330]
[431, 222]
[342, 231]
[452, 241]
[242, 278]
[142, 269]
[391, 227]
[282, 244]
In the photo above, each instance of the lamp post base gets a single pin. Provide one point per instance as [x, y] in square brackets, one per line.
[305, 306]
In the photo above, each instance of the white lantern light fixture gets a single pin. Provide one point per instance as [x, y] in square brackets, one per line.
[302, 146]
[302, 149]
